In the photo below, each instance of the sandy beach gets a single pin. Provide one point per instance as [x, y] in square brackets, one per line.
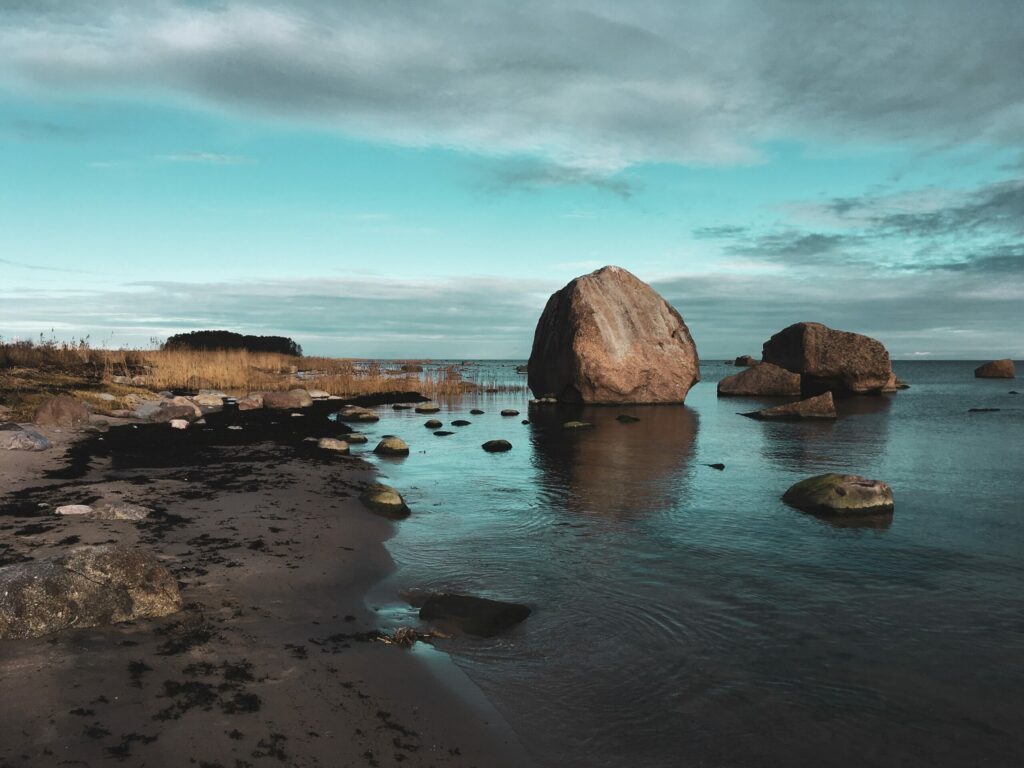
[271, 660]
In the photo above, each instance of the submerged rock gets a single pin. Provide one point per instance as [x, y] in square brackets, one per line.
[497, 446]
[332, 444]
[510, 412]
[625, 418]
[461, 423]
[443, 433]
[608, 337]
[384, 500]
[827, 359]
[820, 407]
[761, 380]
[392, 446]
[836, 494]
[577, 425]
[997, 369]
[472, 615]
[477, 412]
[87, 587]
[62, 411]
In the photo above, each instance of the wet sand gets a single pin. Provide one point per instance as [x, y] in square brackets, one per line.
[268, 662]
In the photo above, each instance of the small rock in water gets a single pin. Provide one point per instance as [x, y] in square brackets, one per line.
[73, 510]
[510, 412]
[525, 421]
[332, 444]
[428, 408]
[983, 410]
[472, 615]
[357, 414]
[719, 466]
[384, 500]
[432, 424]
[625, 418]
[820, 407]
[178, 424]
[841, 495]
[392, 446]
[577, 425]
[443, 433]
[461, 423]
[1014, 392]
[497, 446]
[477, 412]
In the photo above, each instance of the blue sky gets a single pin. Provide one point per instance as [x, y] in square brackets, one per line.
[414, 179]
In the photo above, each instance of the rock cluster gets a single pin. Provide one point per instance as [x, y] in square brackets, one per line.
[608, 337]
[829, 360]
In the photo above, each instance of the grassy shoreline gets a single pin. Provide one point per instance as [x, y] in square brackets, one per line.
[30, 373]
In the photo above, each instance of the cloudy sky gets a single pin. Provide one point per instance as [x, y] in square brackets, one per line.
[389, 178]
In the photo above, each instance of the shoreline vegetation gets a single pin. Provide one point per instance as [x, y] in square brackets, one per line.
[107, 379]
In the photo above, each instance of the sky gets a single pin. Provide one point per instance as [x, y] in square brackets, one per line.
[414, 179]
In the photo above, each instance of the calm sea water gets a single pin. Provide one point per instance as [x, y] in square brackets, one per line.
[685, 616]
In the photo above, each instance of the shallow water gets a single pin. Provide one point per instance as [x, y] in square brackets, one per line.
[685, 615]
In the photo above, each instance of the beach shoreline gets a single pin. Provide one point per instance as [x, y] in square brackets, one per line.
[268, 661]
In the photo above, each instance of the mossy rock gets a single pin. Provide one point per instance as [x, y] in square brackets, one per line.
[835, 494]
[384, 500]
[392, 446]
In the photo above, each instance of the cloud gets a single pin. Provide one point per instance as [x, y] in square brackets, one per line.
[44, 268]
[595, 85]
[23, 129]
[533, 175]
[211, 158]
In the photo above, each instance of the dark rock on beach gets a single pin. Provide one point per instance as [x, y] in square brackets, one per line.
[16, 438]
[608, 337]
[472, 615]
[62, 411]
[820, 407]
[761, 380]
[87, 587]
[997, 369]
[497, 446]
[829, 360]
[837, 494]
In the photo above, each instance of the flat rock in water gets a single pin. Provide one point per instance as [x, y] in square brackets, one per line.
[761, 380]
[497, 446]
[608, 337]
[461, 423]
[86, 587]
[827, 359]
[841, 495]
[384, 500]
[472, 615]
[510, 412]
[353, 413]
[997, 369]
[392, 446]
[477, 412]
[428, 408]
[820, 407]
[443, 433]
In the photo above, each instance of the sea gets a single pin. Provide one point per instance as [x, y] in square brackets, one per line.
[683, 615]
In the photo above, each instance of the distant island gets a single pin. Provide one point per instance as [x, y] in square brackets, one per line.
[281, 345]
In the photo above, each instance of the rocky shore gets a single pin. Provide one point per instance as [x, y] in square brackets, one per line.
[273, 657]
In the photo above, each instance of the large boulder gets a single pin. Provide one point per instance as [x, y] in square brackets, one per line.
[87, 587]
[819, 407]
[837, 361]
[608, 337]
[62, 411]
[392, 446]
[836, 494]
[997, 369]
[761, 380]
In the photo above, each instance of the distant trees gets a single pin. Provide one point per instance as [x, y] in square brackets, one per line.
[230, 340]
